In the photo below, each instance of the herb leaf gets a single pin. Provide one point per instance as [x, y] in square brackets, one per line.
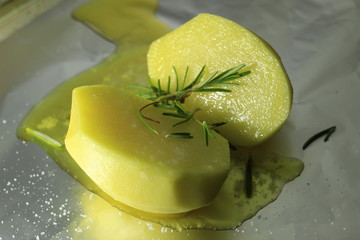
[173, 101]
[146, 124]
[327, 133]
[183, 135]
[248, 177]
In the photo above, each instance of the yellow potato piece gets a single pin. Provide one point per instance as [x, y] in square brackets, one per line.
[254, 110]
[137, 167]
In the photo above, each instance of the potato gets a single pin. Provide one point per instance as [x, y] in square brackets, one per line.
[137, 167]
[254, 110]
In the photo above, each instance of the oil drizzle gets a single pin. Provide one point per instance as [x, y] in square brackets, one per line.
[131, 25]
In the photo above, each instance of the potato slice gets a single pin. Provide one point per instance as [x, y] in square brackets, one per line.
[136, 166]
[257, 108]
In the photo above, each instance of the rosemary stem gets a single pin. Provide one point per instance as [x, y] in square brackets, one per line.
[146, 106]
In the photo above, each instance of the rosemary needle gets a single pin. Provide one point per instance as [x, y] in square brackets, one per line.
[327, 133]
[183, 135]
[248, 177]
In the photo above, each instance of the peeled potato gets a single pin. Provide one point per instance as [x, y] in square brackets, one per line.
[254, 110]
[137, 167]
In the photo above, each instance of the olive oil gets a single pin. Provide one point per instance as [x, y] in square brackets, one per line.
[133, 27]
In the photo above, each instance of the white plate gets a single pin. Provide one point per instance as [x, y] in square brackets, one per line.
[320, 47]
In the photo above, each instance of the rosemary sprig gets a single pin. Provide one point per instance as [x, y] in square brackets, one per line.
[172, 102]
